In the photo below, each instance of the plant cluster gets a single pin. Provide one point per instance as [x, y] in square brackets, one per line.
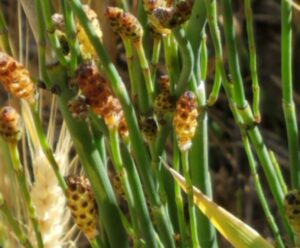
[135, 137]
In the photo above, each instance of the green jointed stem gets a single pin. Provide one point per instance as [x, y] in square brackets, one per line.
[23, 186]
[187, 61]
[254, 133]
[71, 34]
[213, 96]
[270, 173]
[260, 193]
[278, 172]
[178, 198]
[148, 232]
[139, 149]
[192, 210]
[146, 70]
[253, 66]
[137, 88]
[198, 162]
[230, 37]
[203, 57]
[287, 91]
[121, 172]
[171, 60]
[45, 5]
[132, 75]
[4, 33]
[15, 226]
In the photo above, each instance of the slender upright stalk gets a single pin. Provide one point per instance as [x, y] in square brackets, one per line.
[122, 173]
[278, 172]
[15, 226]
[187, 63]
[253, 67]
[192, 212]
[171, 60]
[146, 70]
[213, 96]
[260, 193]
[287, 91]
[253, 131]
[71, 34]
[51, 32]
[239, 94]
[137, 88]
[21, 177]
[178, 198]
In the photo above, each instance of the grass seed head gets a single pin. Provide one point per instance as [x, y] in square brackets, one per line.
[185, 120]
[16, 79]
[81, 201]
[11, 127]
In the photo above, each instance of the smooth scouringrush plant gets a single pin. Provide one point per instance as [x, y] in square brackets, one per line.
[140, 93]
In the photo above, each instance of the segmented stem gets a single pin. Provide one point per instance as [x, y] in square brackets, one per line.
[287, 91]
[253, 67]
[260, 193]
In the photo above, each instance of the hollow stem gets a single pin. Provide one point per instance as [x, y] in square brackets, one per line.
[142, 212]
[171, 60]
[260, 193]
[121, 172]
[146, 70]
[45, 5]
[213, 96]
[179, 201]
[244, 113]
[15, 226]
[186, 52]
[230, 37]
[71, 34]
[192, 212]
[137, 88]
[287, 91]
[278, 172]
[253, 66]
[21, 177]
